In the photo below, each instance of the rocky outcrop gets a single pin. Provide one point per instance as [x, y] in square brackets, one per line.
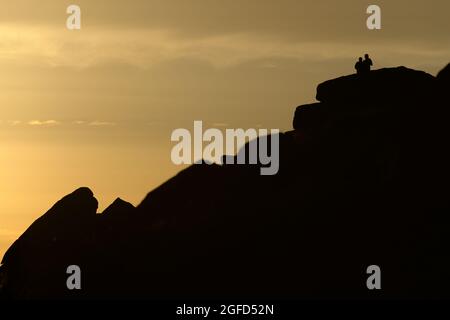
[444, 74]
[64, 234]
[119, 209]
[378, 87]
[363, 180]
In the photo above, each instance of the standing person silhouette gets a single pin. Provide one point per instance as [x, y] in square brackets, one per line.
[359, 66]
[367, 63]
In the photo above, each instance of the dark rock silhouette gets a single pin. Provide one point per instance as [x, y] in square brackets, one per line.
[62, 235]
[118, 210]
[444, 74]
[443, 79]
[363, 180]
[389, 85]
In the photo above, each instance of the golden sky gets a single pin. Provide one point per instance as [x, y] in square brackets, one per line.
[95, 107]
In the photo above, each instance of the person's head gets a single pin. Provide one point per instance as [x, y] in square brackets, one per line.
[360, 59]
[366, 56]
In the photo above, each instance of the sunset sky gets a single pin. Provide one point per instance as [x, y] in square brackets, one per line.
[95, 107]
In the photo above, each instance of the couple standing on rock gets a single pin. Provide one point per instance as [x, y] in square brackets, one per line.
[363, 66]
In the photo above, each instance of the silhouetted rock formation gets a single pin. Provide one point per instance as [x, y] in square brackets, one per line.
[444, 74]
[119, 209]
[363, 180]
[389, 84]
[62, 235]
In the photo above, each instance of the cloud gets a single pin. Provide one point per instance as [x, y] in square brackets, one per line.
[43, 123]
[340, 20]
[14, 122]
[147, 47]
[101, 123]
[51, 122]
